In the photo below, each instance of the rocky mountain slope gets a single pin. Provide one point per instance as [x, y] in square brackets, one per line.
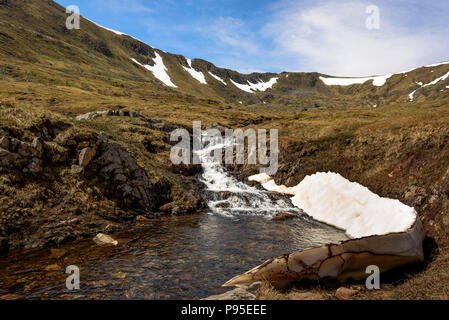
[34, 33]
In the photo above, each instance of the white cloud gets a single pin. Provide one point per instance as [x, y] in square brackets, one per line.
[235, 45]
[233, 33]
[331, 37]
[120, 7]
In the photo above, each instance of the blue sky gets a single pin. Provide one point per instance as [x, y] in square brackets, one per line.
[327, 36]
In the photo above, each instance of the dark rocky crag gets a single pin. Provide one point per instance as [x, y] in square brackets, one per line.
[63, 183]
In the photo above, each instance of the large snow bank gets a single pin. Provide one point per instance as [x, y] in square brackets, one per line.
[159, 70]
[387, 233]
[330, 198]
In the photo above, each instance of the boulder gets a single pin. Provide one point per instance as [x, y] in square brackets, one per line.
[104, 239]
[130, 180]
[77, 169]
[38, 146]
[95, 114]
[85, 156]
[86, 116]
[383, 232]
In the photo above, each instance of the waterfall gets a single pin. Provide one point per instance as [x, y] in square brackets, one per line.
[227, 196]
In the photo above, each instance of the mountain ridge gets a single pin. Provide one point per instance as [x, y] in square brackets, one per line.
[114, 53]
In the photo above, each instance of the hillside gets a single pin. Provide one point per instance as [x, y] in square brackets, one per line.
[389, 133]
[34, 33]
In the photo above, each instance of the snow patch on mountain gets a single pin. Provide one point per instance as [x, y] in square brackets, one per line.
[195, 74]
[116, 32]
[259, 86]
[437, 64]
[217, 78]
[159, 70]
[442, 78]
[378, 81]
[112, 30]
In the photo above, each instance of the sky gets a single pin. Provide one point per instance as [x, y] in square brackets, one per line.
[335, 37]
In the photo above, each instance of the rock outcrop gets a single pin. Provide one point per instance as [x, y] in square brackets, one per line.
[108, 113]
[128, 179]
[60, 183]
[385, 233]
[87, 153]
[26, 156]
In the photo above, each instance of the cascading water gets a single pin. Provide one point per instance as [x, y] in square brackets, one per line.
[229, 197]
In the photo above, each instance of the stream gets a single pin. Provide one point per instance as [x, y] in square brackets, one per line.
[186, 257]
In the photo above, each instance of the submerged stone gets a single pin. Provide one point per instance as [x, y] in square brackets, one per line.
[104, 239]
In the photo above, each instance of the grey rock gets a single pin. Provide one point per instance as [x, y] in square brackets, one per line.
[77, 169]
[86, 116]
[134, 114]
[86, 156]
[110, 168]
[104, 239]
[38, 146]
[116, 164]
